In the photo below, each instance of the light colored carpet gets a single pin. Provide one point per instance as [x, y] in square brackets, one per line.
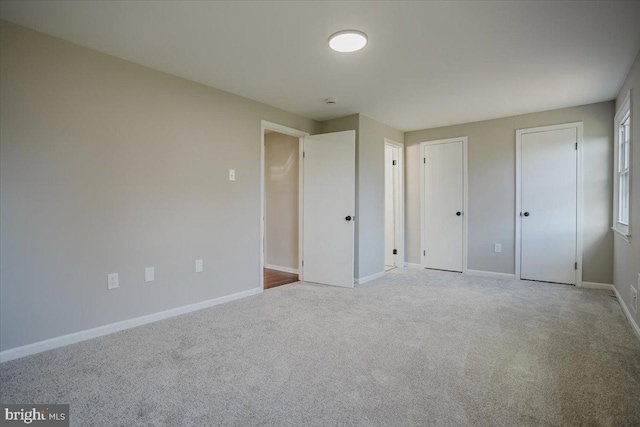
[413, 348]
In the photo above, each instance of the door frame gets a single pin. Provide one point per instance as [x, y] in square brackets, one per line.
[399, 191]
[265, 125]
[465, 196]
[579, 192]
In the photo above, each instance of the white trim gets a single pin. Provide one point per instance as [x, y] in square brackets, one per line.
[620, 234]
[61, 341]
[491, 274]
[281, 268]
[595, 285]
[413, 265]
[579, 193]
[580, 202]
[399, 226]
[622, 230]
[465, 196]
[369, 278]
[300, 207]
[292, 132]
[282, 129]
[627, 313]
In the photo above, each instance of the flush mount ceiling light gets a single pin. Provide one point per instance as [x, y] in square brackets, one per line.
[347, 41]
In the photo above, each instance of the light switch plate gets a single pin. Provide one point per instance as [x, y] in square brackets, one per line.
[149, 274]
[199, 266]
[497, 248]
[232, 174]
[113, 281]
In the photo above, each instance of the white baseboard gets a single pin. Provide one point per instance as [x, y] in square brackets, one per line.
[594, 285]
[369, 278]
[281, 268]
[627, 313]
[412, 265]
[38, 347]
[491, 274]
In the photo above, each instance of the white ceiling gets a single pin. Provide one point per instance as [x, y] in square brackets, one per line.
[427, 64]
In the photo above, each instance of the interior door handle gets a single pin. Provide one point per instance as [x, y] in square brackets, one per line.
[348, 218]
[458, 213]
[527, 214]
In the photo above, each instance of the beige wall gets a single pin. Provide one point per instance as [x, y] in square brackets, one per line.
[627, 255]
[492, 187]
[107, 166]
[370, 135]
[281, 199]
[351, 122]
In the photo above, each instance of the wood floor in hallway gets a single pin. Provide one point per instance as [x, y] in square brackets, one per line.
[273, 278]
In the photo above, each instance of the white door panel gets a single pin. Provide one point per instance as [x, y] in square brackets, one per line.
[443, 199]
[549, 206]
[329, 198]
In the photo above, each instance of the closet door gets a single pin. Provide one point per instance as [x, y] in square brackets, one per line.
[549, 205]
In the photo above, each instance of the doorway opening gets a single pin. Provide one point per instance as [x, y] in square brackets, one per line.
[393, 205]
[326, 205]
[281, 252]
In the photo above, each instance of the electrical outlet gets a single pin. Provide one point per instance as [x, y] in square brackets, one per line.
[634, 299]
[232, 174]
[113, 281]
[199, 266]
[497, 248]
[149, 274]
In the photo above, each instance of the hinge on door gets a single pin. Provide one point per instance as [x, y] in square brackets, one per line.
[395, 252]
[303, 263]
[424, 160]
[303, 154]
[576, 145]
[576, 266]
[424, 253]
[394, 163]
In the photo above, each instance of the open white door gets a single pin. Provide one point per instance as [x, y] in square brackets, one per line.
[329, 208]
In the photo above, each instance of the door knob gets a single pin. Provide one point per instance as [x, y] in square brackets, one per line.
[458, 213]
[348, 218]
[527, 214]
